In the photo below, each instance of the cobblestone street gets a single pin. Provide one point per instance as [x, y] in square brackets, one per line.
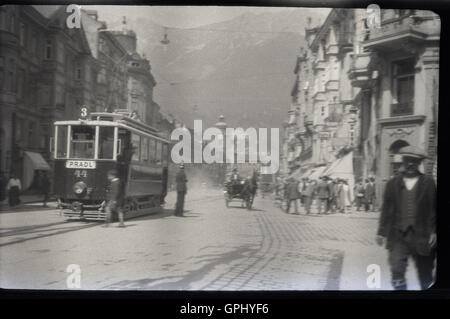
[211, 248]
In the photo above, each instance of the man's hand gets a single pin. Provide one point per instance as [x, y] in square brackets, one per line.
[380, 240]
[433, 240]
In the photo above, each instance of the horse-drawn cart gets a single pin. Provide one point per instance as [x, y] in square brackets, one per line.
[241, 190]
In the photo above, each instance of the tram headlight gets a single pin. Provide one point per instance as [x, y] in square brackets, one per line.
[79, 188]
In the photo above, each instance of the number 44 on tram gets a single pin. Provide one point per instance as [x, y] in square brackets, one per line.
[86, 149]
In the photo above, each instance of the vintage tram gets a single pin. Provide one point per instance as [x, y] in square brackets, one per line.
[86, 149]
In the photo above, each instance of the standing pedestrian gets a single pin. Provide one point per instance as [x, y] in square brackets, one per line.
[408, 220]
[359, 192]
[14, 188]
[308, 194]
[113, 199]
[45, 187]
[323, 194]
[292, 194]
[181, 181]
[369, 193]
[2, 187]
[345, 197]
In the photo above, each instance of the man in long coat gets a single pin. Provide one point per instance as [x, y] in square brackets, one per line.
[181, 181]
[114, 198]
[292, 194]
[369, 193]
[408, 220]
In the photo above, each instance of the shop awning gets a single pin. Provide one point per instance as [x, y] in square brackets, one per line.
[342, 168]
[37, 161]
[32, 162]
[317, 172]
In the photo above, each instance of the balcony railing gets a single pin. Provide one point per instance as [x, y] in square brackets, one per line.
[400, 109]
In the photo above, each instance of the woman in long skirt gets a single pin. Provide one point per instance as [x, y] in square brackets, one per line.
[14, 187]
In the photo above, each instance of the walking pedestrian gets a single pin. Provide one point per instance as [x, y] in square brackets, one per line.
[292, 194]
[113, 199]
[407, 223]
[14, 188]
[323, 194]
[181, 181]
[45, 187]
[369, 193]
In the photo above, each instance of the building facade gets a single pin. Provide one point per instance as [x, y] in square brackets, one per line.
[49, 71]
[398, 74]
[368, 90]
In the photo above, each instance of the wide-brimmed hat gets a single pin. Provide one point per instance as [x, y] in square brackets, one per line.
[412, 151]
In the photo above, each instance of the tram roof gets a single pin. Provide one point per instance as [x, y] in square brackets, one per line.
[113, 119]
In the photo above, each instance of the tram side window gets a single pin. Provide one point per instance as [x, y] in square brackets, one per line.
[82, 142]
[165, 155]
[152, 151]
[106, 142]
[136, 144]
[158, 152]
[144, 149]
[61, 147]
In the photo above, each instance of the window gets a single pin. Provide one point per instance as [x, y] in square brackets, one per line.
[158, 152]
[82, 142]
[48, 48]
[22, 34]
[12, 23]
[11, 76]
[136, 144]
[31, 133]
[2, 19]
[152, 151]
[61, 145]
[403, 88]
[165, 155]
[21, 83]
[2, 72]
[144, 149]
[106, 142]
[78, 71]
[20, 125]
[101, 76]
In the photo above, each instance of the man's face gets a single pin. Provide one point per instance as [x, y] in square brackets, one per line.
[411, 165]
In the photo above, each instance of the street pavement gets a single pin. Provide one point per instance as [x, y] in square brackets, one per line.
[211, 248]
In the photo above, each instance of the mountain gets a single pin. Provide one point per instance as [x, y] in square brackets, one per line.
[241, 68]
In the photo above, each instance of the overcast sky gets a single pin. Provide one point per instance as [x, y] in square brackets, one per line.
[176, 16]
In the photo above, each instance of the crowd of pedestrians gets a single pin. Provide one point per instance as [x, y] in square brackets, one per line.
[328, 194]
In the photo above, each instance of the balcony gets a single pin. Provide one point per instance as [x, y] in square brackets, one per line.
[319, 65]
[332, 85]
[332, 49]
[8, 39]
[320, 96]
[359, 72]
[401, 109]
[395, 34]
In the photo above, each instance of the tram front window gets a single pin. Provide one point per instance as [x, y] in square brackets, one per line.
[82, 142]
[106, 142]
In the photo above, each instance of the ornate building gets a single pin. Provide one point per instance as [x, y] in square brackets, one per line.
[398, 74]
[369, 90]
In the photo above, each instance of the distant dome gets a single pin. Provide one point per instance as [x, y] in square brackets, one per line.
[221, 124]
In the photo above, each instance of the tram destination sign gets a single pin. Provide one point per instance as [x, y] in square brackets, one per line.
[80, 164]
